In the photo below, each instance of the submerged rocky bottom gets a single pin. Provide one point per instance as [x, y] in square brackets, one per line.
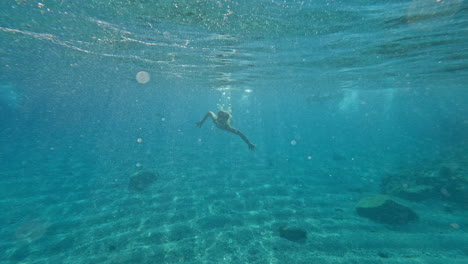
[256, 213]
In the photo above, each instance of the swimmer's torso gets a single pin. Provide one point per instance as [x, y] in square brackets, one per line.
[223, 120]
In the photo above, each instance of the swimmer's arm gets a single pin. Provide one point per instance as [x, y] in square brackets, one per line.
[209, 114]
[241, 135]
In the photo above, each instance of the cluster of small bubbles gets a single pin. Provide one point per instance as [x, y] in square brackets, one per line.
[139, 140]
[293, 142]
[143, 77]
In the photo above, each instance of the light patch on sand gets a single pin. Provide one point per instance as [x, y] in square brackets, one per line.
[31, 231]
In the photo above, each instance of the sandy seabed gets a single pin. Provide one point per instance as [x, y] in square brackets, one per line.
[74, 211]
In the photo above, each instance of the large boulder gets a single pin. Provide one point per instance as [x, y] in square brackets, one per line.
[383, 209]
[140, 180]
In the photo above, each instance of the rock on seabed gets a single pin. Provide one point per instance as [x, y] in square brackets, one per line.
[294, 234]
[383, 209]
[141, 180]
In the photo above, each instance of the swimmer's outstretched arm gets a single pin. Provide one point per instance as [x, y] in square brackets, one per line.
[209, 114]
[246, 140]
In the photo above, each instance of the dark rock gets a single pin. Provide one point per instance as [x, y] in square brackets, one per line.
[383, 254]
[294, 234]
[383, 209]
[140, 180]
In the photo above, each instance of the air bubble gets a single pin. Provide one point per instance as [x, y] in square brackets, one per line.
[143, 77]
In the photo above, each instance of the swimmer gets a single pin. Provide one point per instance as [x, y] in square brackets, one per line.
[223, 121]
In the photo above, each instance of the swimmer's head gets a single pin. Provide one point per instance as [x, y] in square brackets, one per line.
[223, 115]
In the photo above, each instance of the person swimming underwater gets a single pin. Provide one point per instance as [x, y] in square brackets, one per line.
[223, 121]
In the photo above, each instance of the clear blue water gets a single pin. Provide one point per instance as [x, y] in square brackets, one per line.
[335, 95]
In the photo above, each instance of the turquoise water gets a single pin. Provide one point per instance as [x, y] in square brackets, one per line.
[343, 100]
